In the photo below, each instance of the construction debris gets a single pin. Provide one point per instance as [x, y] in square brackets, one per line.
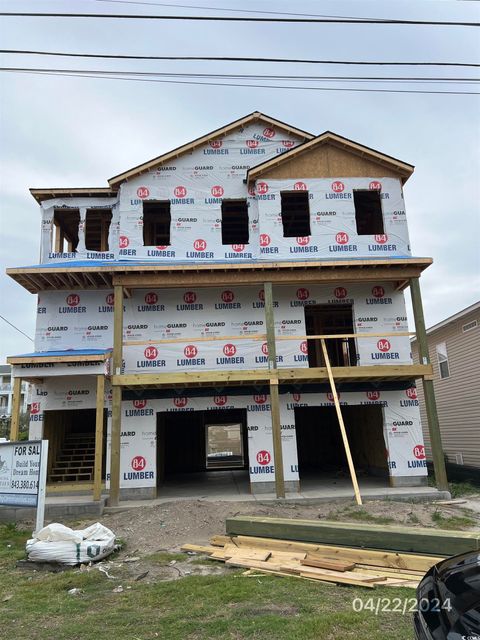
[340, 565]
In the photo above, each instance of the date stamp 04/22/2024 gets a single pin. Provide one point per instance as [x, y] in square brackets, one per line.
[401, 605]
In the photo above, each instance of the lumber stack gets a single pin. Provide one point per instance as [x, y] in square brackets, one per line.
[405, 539]
[340, 565]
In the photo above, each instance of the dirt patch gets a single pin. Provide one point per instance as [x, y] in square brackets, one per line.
[166, 527]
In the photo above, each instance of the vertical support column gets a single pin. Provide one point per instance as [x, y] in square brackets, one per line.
[274, 395]
[428, 390]
[99, 419]
[116, 396]
[15, 419]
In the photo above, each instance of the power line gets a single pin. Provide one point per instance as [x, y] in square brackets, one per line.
[127, 16]
[66, 54]
[192, 6]
[17, 329]
[247, 76]
[254, 86]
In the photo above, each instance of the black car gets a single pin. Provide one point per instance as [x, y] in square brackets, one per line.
[448, 599]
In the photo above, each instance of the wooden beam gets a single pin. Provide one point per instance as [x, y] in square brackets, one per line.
[274, 396]
[261, 336]
[116, 397]
[85, 358]
[192, 377]
[364, 536]
[343, 431]
[16, 405]
[336, 336]
[428, 389]
[362, 372]
[99, 419]
[293, 276]
[285, 376]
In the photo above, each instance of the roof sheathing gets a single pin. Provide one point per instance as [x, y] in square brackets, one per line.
[155, 162]
[404, 169]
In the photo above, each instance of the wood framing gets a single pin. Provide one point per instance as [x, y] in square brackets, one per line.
[59, 359]
[99, 421]
[274, 396]
[331, 155]
[116, 397]
[53, 277]
[16, 405]
[351, 466]
[313, 375]
[428, 389]
[85, 192]
[217, 133]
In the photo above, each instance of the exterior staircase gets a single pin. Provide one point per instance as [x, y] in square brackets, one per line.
[75, 460]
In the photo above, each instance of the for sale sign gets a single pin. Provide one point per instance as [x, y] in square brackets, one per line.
[23, 473]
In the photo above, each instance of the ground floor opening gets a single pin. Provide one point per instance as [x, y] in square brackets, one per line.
[71, 445]
[321, 451]
[202, 452]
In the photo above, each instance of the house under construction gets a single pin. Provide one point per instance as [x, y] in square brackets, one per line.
[236, 303]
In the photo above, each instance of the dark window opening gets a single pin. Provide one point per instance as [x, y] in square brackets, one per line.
[97, 226]
[295, 214]
[328, 319]
[368, 212]
[156, 224]
[66, 223]
[235, 222]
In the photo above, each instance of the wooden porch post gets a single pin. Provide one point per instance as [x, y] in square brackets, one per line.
[274, 395]
[99, 418]
[428, 390]
[116, 396]
[16, 402]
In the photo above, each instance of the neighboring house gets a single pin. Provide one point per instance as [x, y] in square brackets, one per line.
[181, 311]
[6, 392]
[454, 346]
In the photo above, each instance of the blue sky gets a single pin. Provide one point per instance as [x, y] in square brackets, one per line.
[72, 132]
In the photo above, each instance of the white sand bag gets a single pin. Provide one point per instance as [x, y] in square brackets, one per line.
[57, 543]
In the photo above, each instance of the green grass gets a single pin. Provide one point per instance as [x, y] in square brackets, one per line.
[229, 607]
[462, 489]
[454, 522]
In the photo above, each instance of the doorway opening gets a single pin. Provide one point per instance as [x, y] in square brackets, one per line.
[202, 451]
[328, 319]
[321, 453]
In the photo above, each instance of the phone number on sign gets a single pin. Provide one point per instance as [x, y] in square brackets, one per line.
[399, 605]
[24, 484]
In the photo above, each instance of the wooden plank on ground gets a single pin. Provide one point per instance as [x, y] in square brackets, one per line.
[370, 536]
[327, 563]
[363, 556]
[339, 580]
[220, 541]
[253, 564]
[351, 575]
[198, 548]
[230, 551]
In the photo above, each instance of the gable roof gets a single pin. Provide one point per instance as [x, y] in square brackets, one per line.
[155, 162]
[328, 137]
